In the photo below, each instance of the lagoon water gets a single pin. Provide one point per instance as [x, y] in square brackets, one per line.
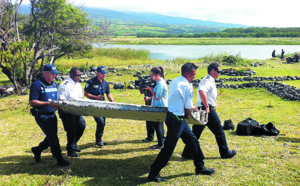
[170, 52]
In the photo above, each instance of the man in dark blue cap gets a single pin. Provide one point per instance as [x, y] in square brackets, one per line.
[95, 89]
[42, 92]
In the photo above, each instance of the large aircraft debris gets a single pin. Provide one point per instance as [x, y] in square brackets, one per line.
[87, 107]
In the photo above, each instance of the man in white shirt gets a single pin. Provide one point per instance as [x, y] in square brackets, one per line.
[74, 125]
[179, 107]
[207, 100]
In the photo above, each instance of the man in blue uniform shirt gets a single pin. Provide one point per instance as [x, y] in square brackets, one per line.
[207, 100]
[95, 89]
[42, 92]
[74, 125]
[179, 107]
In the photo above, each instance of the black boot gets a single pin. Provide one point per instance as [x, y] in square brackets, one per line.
[204, 171]
[72, 153]
[37, 154]
[100, 143]
[62, 162]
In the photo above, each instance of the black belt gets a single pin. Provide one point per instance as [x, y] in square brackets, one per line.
[209, 105]
[47, 113]
[181, 117]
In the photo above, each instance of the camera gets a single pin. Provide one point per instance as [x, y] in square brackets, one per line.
[144, 81]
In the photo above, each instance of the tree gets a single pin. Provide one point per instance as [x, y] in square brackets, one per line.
[53, 29]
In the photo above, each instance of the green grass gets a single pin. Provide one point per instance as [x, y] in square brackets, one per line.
[126, 160]
[206, 41]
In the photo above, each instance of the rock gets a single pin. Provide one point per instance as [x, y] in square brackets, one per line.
[8, 90]
[119, 85]
[131, 86]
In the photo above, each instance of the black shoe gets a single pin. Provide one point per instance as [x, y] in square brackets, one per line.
[77, 149]
[147, 140]
[205, 171]
[62, 162]
[72, 153]
[156, 178]
[229, 155]
[101, 143]
[37, 154]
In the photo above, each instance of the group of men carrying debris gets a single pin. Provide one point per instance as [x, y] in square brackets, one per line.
[180, 104]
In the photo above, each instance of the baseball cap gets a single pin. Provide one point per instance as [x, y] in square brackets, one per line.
[102, 70]
[50, 68]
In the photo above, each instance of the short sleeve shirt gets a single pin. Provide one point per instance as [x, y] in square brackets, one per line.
[180, 96]
[41, 90]
[96, 88]
[69, 89]
[208, 85]
[161, 92]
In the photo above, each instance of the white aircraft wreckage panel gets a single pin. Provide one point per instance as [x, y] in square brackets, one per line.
[87, 107]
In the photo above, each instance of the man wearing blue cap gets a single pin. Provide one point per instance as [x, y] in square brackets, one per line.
[95, 89]
[42, 92]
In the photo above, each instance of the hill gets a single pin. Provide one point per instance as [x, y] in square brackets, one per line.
[148, 23]
[153, 18]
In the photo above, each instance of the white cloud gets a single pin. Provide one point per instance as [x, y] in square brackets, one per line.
[252, 13]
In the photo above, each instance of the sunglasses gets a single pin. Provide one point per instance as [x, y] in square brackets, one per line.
[218, 71]
[78, 75]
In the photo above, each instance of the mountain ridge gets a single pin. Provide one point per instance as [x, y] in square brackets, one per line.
[155, 18]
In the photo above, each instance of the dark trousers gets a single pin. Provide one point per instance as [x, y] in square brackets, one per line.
[177, 129]
[151, 126]
[74, 125]
[100, 127]
[48, 124]
[214, 125]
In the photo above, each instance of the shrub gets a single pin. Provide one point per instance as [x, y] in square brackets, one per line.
[84, 68]
[62, 69]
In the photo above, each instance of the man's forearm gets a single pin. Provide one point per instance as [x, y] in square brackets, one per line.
[203, 97]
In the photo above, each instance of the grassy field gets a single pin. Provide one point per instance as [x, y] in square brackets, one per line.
[261, 160]
[206, 41]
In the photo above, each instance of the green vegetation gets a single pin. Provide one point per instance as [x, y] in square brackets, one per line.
[236, 32]
[53, 29]
[158, 30]
[206, 41]
[126, 160]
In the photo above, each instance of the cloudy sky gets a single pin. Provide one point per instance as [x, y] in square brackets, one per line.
[251, 13]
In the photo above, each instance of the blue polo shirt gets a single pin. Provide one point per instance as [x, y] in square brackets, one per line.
[96, 88]
[161, 92]
[41, 90]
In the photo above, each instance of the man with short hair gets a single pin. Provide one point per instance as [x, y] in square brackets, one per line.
[42, 92]
[95, 89]
[207, 100]
[179, 107]
[74, 125]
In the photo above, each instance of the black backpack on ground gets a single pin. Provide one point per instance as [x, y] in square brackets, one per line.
[246, 127]
[228, 125]
[266, 129]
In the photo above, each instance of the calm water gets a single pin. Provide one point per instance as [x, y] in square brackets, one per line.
[170, 52]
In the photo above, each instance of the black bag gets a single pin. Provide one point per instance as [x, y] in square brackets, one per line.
[266, 129]
[246, 127]
[228, 125]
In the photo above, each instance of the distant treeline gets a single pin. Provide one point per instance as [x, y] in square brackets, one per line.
[239, 32]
